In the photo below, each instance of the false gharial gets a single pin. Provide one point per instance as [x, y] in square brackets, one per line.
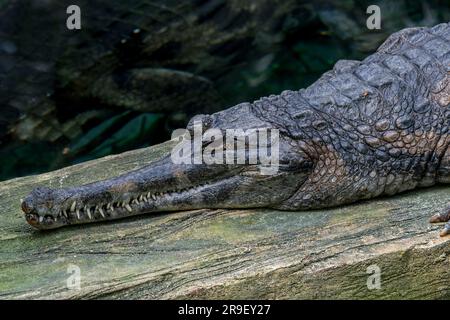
[364, 129]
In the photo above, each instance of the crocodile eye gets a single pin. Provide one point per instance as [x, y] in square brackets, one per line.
[205, 120]
[302, 115]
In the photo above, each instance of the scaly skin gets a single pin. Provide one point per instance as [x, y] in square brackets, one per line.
[364, 129]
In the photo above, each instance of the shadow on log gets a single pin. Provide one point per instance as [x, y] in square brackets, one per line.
[233, 254]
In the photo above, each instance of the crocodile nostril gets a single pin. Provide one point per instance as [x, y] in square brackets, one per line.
[26, 207]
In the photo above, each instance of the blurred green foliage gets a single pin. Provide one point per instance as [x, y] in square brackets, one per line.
[135, 131]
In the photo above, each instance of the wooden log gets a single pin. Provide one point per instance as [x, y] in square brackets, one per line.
[233, 254]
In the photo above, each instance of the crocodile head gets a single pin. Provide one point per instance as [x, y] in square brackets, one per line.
[172, 184]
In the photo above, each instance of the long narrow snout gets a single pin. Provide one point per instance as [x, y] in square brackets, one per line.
[162, 186]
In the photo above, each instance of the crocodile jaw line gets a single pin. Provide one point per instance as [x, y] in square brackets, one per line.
[139, 203]
[155, 188]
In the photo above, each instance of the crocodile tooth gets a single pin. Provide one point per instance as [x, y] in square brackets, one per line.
[149, 194]
[78, 214]
[127, 206]
[72, 207]
[101, 212]
[135, 201]
[108, 206]
[65, 213]
[153, 197]
[141, 198]
[96, 208]
[88, 211]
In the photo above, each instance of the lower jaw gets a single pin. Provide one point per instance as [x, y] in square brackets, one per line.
[73, 219]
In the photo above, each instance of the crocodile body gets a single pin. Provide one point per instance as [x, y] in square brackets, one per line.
[366, 128]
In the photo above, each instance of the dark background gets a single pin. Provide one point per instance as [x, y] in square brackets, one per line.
[139, 69]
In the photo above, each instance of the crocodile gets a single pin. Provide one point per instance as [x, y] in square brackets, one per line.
[364, 129]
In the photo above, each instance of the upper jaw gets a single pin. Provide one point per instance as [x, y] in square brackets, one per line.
[97, 202]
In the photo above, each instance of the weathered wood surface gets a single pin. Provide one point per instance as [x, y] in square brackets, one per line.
[225, 254]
